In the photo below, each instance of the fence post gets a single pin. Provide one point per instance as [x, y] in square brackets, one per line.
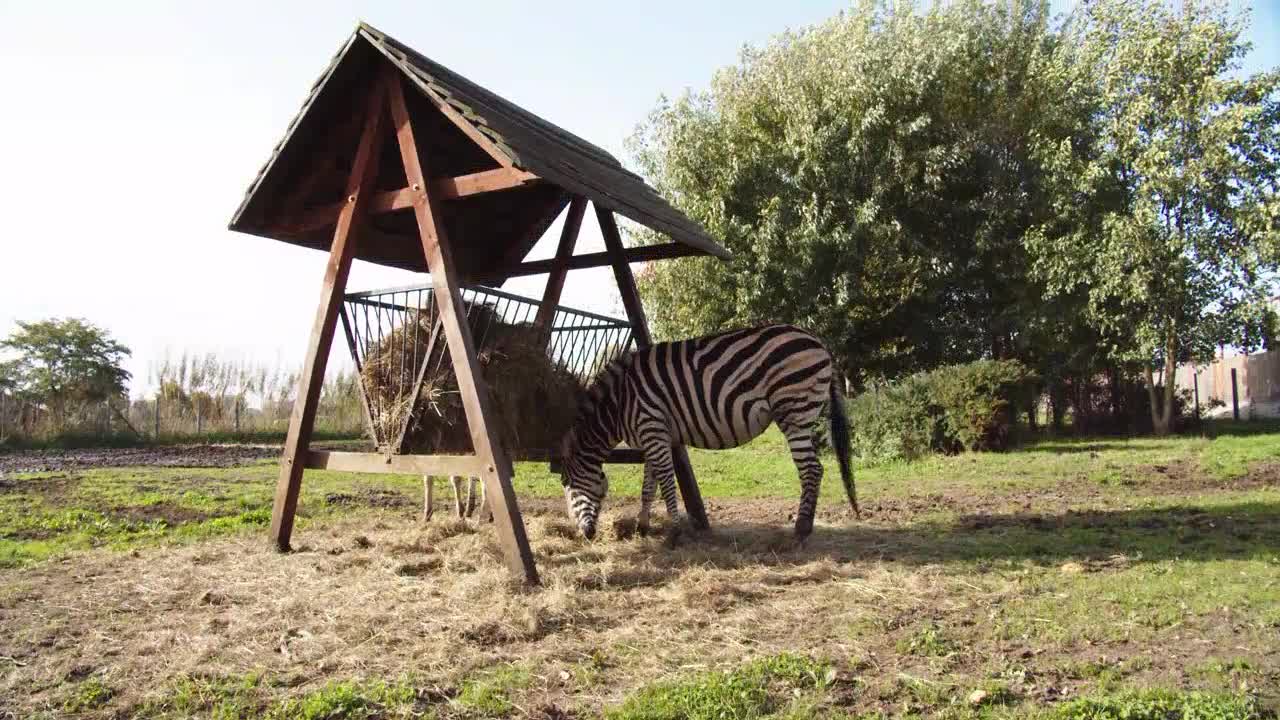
[199, 419]
[1235, 397]
[157, 418]
[237, 414]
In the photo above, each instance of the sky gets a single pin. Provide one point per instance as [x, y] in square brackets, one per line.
[132, 129]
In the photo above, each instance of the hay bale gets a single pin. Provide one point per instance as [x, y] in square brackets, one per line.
[534, 398]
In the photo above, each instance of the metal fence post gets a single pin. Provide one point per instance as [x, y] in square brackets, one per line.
[237, 414]
[1235, 397]
[157, 418]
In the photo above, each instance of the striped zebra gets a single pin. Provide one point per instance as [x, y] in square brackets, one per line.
[713, 392]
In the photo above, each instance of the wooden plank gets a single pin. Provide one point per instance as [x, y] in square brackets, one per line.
[644, 253]
[387, 201]
[466, 465]
[560, 264]
[497, 469]
[364, 171]
[640, 330]
[482, 182]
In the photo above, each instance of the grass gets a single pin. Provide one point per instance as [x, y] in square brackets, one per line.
[757, 690]
[1076, 578]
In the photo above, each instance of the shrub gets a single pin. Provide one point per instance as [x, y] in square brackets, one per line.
[958, 407]
[893, 422]
[979, 401]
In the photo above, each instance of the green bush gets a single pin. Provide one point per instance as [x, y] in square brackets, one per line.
[954, 408]
[979, 401]
[896, 422]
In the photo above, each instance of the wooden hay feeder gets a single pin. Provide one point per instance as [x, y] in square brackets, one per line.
[399, 161]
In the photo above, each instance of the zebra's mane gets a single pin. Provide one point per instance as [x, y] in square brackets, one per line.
[601, 387]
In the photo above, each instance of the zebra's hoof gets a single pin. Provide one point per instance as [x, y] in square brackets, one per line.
[642, 529]
[804, 528]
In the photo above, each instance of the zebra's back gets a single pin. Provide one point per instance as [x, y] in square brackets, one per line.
[723, 390]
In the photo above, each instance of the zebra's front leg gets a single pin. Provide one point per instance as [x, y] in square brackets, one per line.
[659, 464]
[810, 468]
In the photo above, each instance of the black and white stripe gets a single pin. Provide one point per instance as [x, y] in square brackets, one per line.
[713, 392]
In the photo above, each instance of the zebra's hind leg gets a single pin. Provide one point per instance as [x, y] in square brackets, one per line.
[459, 510]
[647, 490]
[800, 440]
[428, 497]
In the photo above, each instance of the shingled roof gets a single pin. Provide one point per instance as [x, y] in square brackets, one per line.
[489, 231]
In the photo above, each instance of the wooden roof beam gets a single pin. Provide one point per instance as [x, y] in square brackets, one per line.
[391, 200]
[643, 253]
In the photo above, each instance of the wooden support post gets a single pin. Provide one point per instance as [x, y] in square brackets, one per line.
[496, 469]
[157, 432]
[560, 267]
[640, 330]
[360, 185]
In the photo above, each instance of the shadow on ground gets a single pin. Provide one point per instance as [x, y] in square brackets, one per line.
[1238, 531]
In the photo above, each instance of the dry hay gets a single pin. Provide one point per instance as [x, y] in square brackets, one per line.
[533, 397]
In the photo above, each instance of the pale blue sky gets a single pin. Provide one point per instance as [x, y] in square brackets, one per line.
[131, 130]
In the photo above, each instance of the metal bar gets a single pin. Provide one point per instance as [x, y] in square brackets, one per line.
[355, 358]
[416, 391]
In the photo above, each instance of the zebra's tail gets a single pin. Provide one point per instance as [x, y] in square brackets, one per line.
[840, 440]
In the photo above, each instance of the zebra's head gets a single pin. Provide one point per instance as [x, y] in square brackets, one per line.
[584, 484]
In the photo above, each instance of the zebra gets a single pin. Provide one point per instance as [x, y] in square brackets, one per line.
[718, 391]
[461, 510]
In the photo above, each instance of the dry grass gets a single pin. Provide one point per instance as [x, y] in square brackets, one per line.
[915, 608]
[356, 600]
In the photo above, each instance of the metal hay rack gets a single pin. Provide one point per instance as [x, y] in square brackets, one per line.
[379, 328]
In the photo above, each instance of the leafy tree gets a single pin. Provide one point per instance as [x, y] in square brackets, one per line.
[1166, 221]
[874, 176]
[66, 364]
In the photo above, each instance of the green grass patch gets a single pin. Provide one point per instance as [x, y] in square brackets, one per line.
[1163, 705]
[759, 689]
[87, 695]
[490, 694]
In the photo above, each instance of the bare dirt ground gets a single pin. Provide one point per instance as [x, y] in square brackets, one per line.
[382, 598]
[28, 461]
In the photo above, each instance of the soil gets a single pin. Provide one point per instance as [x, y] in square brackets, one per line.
[195, 456]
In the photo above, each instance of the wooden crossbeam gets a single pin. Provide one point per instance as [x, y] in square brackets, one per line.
[464, 465]
[392, 200]
[644, 253]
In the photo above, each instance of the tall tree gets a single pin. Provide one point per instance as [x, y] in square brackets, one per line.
[1167, 221]
[874, 176]
[66, 364]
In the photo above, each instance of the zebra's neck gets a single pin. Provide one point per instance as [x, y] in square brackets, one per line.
[600, 427]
